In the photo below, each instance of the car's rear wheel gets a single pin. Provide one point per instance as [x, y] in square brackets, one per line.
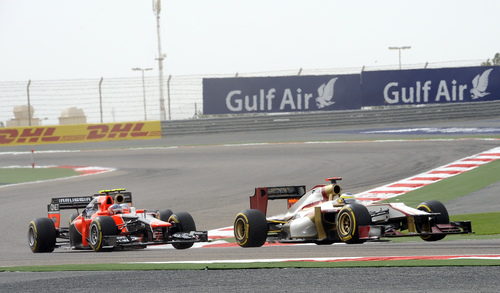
[42, 235]
[324, 242]
[348, 221]
[433, 206]
[250, 228]
[99, 229]
[75, 238]
[183, 222]
[73, 217]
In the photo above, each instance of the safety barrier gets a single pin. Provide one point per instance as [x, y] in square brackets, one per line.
[79, 133]
[151, 129]
[392, 114]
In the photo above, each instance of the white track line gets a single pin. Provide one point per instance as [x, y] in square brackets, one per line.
[330, 259]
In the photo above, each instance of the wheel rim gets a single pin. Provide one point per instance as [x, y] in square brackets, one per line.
[31, 237]
[239, 229]
[93, 234]
[345, 224]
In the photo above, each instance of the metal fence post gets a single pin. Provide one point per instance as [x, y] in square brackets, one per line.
[29, 102]
[100, 97]
[168, 96]
[144, 97]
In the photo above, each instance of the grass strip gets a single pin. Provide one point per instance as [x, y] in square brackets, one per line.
[252, 265]
[482, 224]
[20, 175]
[453, 187]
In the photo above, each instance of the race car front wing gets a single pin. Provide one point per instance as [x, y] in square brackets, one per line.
[179, 237]
[371, 232]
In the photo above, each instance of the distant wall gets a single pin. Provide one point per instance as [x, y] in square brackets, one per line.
[350, 91]
[79, 133]
[430, 86]
[383, 115]
[281, 94]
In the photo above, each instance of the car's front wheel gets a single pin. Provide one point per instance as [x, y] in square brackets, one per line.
[99, 229]
[182, 222]
[433, 206]
[165, 215]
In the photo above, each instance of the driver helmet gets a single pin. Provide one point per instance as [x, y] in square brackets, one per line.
[115, 209]
[124, 208]
[346, 198]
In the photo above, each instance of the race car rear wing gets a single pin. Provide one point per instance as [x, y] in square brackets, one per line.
[79, 202]
[264, 194]
[68, 202]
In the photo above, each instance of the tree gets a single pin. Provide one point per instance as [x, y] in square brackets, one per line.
[496, 59]
[493, 62]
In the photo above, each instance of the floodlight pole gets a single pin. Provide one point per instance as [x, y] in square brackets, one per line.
[29, 102]
[399, 49]
[143, 88]
[157, 10]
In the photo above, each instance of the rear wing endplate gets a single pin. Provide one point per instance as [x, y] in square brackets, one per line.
[264, 194]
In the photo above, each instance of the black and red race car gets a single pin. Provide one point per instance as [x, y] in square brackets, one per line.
[108, 221]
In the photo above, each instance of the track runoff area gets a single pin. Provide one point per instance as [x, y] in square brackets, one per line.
[218, 236]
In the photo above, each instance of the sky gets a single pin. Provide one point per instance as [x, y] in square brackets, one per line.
[71, 39]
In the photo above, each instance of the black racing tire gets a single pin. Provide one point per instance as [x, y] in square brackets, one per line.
[348, 220]
[250, 228]
[183, 222]
[165, 215]
[324, 242]
[434, 206]
[75, 238]
[42, 235]
[73, 217]
[98, 230]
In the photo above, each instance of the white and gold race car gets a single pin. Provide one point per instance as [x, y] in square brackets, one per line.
[323, 215]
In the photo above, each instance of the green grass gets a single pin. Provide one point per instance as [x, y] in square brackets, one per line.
[256, 265]
[19, 175]
[482, 224]
[453, 187]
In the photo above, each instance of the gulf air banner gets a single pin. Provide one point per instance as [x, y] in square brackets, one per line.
[79, 133]
[431, 86]
[281, 94]
[350, 91]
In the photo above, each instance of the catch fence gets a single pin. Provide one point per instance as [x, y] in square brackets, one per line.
[107, 100]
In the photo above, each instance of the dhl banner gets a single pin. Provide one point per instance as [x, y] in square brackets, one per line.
[79, 133]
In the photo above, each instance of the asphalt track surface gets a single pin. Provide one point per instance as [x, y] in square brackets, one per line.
[212, 180]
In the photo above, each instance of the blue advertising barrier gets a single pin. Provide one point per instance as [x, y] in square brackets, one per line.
[426, 86]
[351, 91]
[281, 94]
